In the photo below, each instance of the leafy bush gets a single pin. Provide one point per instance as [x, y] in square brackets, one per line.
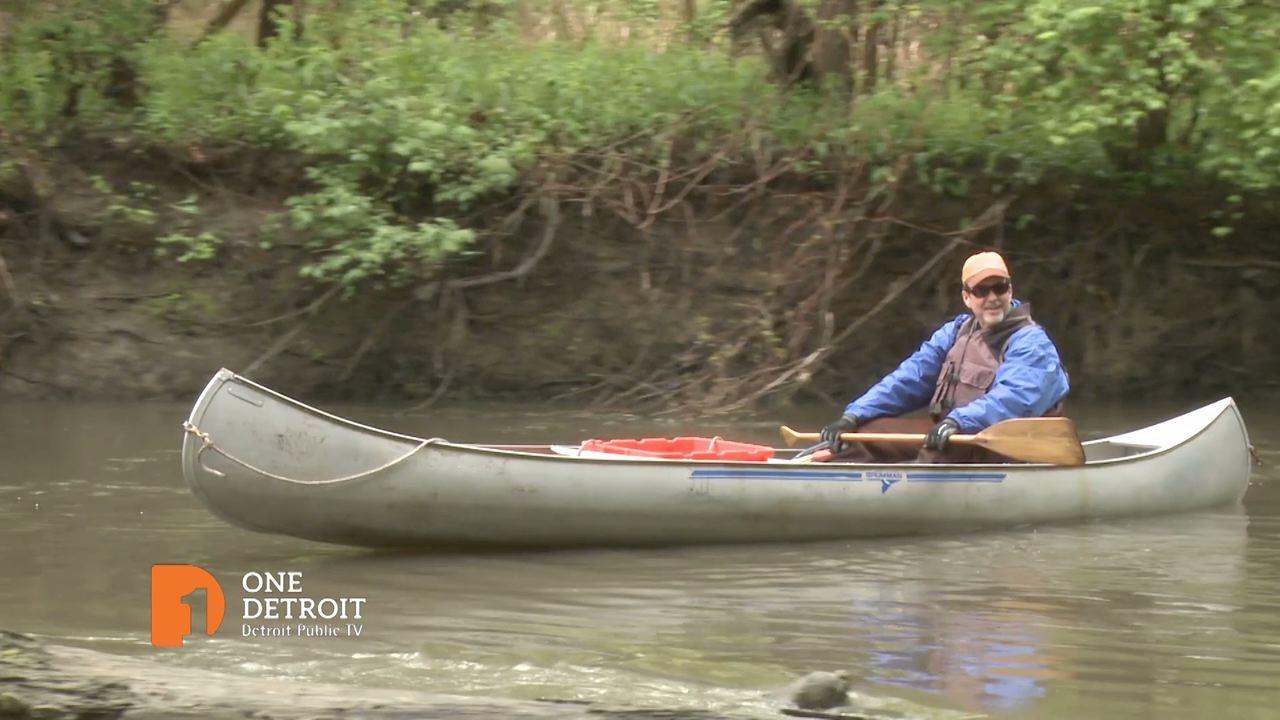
[70, 61]
[408, 119]
[360, 243]
[407, 130]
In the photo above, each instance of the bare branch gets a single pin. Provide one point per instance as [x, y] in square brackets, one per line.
[222, 19]
[283, 341]
[6, 279]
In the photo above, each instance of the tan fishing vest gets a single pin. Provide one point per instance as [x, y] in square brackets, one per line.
[969, 369]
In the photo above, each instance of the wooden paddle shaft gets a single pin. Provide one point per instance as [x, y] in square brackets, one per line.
[897, 438]
[1047, 440]
[886, 437]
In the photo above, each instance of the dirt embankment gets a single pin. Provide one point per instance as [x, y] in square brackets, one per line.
[726, 298]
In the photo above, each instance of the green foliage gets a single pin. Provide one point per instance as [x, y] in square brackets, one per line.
[10, 171]
[407, 118]
[188, 247]
[189, 307]
[407, 126]
[188, 244]
[1245, 147]
[361, 243]
[68, 61]
[131, 206]
[208, 93]
[1146, 81]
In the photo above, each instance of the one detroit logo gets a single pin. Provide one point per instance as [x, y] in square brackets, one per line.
[170, 616]
[274, 605]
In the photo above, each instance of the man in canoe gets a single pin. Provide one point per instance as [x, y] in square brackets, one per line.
[990, 364]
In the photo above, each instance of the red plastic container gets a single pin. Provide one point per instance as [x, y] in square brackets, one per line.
[682, 448]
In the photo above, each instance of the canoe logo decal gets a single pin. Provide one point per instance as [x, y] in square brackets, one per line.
[886, 478]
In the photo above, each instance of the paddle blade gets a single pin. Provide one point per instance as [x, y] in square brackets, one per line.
[791, 437]
[1037, 440]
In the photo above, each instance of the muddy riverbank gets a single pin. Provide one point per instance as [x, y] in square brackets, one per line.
[727, 303]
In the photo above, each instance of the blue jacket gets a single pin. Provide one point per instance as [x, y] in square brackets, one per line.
[1028, 383]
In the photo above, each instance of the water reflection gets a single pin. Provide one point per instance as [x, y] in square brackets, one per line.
[983, 622]
[989, 621]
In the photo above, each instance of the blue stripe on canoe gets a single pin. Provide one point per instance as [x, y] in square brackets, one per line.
[777, 475]
[956, 477]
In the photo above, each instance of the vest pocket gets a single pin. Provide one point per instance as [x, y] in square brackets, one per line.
[976, 376]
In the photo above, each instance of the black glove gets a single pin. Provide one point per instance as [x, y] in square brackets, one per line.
[940, 434]
[831, 433]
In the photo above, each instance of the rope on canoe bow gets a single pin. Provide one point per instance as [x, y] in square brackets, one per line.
[208, 444]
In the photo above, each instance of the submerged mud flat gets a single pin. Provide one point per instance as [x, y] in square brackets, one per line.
[50, 682]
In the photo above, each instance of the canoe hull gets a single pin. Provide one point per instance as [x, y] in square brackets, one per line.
[274, 465]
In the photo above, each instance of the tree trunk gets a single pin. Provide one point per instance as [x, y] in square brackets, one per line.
[792, 62]
[1151, 132]
[689, 16]
[527, 20]
[834, 46]
[798, 32]
[948, 60]
[161, 10]
[870, 49]
[560, 20]
[891, 62]
[122, 76]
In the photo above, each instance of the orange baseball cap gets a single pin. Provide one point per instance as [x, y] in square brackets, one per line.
[982, 266]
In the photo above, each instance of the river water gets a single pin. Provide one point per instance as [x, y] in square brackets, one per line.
[1175, 617]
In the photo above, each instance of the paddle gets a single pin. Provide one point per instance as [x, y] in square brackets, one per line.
[1039, 440]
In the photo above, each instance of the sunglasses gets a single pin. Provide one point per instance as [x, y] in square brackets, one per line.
[999, 288]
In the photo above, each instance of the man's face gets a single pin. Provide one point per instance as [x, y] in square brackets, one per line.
[987, 302]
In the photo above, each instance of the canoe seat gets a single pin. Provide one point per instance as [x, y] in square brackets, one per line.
[1108, 450]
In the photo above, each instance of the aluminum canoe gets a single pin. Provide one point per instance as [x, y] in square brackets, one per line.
[265, 462]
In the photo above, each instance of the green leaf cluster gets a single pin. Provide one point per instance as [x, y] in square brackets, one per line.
[359, 242]
[407, 125]
[412, 121]
[69, 60]
[1160, 86]
[188, 244]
